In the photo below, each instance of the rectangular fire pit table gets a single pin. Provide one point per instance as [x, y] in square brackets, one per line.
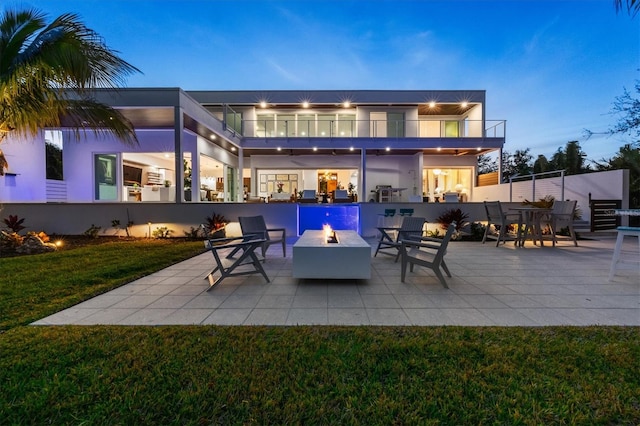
[314, 257]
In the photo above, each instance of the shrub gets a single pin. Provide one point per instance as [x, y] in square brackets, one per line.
[42, 235]
[453, 215]
[215, 222]
[161, 232]
[543, 203]
[92, 231]
[13, 223]
[192, 233]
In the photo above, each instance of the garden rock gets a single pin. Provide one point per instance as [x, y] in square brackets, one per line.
[32, 244]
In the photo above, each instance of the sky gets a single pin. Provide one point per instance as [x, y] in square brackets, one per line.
[551, 69]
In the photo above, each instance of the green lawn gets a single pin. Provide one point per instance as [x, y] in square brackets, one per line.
[283, 375]
[32, 287]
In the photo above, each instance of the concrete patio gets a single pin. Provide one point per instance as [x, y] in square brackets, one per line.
[504, 286]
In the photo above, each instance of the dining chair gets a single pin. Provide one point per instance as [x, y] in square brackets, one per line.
[560, 217]
[501, 221]
[411, 227]
[428, 252]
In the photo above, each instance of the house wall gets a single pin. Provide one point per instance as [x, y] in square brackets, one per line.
[76, 218]
[27, 159]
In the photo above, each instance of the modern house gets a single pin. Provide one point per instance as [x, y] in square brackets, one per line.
[236, 146]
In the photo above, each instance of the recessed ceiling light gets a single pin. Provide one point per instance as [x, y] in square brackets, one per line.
[351, 149]
[439, 149]
[212, 136]
[305, 104]
[432, 104]
[387, 149]
[346, 104]
[478, 149]
[233, 148]
[279, 149]
[464, 104]
[315, 148]
[263, 104]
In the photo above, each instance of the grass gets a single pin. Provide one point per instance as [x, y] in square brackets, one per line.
[33, 287]
[319, 375]
[283, 375]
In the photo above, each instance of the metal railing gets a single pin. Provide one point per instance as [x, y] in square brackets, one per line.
[533, 178]
[303, 128]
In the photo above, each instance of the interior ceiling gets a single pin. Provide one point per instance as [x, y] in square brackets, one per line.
[208, 165]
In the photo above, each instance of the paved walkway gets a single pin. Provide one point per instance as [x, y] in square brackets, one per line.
[506, 286]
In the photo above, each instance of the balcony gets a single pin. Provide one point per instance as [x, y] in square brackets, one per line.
[422, 128]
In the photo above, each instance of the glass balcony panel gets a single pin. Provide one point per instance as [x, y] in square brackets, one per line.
[346, 125]
[306, 125]
[325, 125]
[265, 126]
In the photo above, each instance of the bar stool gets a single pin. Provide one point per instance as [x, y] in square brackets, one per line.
[624, 231]
[406, 212]
[387, 219]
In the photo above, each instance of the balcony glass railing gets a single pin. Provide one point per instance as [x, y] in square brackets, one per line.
[301, 128]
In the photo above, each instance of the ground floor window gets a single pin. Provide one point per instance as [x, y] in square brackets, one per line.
[53, 146]
[438, 180]
[106, 188]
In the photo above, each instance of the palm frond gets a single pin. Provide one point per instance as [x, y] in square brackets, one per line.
[83, 115]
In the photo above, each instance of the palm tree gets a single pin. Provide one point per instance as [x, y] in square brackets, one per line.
[48, 72]
[632, 6]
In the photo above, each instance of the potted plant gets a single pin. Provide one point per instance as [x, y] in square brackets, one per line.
[215, 226]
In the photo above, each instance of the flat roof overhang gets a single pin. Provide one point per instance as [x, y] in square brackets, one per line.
[336, 97]
[374, 146]
[154, 108]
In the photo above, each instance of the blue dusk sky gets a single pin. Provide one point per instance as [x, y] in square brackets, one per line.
[550, 68]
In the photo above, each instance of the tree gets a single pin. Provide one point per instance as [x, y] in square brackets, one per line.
[518, 164]
[628, 157]
[486, 164]
[48, 73]
[632, 6]
[628, 108]
[575, 158]
[541, 165]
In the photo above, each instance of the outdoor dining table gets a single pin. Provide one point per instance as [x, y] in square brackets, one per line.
[532, 218]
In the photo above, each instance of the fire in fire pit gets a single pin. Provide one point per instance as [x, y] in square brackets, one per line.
[330, 234]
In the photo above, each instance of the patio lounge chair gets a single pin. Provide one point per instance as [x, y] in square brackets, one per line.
[411, 227]
[561, 216]
[255, 226]
[428, 252]
[226, 269]
[501, 221]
